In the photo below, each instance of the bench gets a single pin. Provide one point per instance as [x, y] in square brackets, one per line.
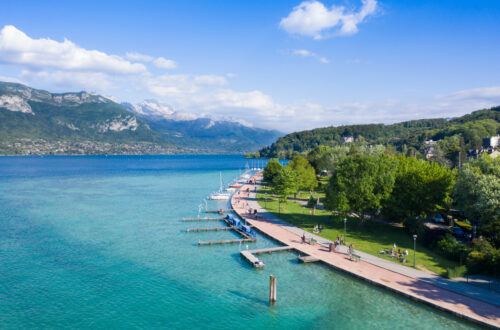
[355, 257]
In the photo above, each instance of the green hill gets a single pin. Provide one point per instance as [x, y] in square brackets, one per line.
[467, 132]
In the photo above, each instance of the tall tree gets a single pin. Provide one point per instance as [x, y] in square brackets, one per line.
[272, 169]
[360, 183]
[306, 175]
[420, 188]
[477, 192]
[285, 183]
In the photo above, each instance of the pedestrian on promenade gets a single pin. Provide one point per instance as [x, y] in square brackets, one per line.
[342, 241]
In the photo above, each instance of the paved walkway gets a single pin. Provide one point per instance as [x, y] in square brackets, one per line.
[464, 301]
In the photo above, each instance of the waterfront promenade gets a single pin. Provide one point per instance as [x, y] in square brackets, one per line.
[473, 304]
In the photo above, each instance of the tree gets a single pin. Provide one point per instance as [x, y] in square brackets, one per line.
[285, 183]
[360, 183]
[306, 176]
[420, 188]
[316, 156]
[273, 167]
[477, 193]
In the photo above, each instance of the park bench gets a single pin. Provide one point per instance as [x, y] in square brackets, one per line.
[355, 257]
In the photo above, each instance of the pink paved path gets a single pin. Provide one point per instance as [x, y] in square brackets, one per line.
[461, 306]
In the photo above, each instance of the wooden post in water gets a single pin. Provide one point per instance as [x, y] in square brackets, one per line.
[272, 289]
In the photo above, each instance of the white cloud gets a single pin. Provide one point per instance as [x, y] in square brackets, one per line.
[134, 56]
[78, 80]
[231, 75]
[11, 79]
[18, 48]
[163, 63]
[307, 53]
[313, 19]
[210, 80]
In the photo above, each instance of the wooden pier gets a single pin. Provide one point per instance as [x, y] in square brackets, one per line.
[218, 211]
[271, 250]
[208, 229]
[306, 259]
[251, 258]
[228, 241]
[202, 219]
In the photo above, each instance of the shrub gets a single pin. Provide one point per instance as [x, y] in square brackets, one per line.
[312, 202]
[414, 226]
[432, 236]
[476, 262]
[458, 271]
[450, 248]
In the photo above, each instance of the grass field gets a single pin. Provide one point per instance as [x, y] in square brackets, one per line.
[372, 237]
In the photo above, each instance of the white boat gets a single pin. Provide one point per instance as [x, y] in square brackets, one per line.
[220, 195]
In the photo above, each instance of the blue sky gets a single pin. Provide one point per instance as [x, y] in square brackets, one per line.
[288, 65]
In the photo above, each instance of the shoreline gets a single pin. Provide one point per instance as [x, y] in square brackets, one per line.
[458, 305]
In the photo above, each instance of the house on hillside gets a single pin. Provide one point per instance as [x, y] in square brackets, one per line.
[491, 142]
[430, 152]
[430, 142]
[348, 139]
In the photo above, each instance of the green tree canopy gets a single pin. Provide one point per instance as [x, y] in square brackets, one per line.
[273, 167]
[285, 183]
[477, 193]
[420, 188]
[306, 176]
[360, 183]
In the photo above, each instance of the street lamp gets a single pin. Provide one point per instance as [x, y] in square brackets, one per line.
[265, 201]
[414, 248]
[345, 223]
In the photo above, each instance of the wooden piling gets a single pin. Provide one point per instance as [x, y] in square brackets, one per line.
[272, 289]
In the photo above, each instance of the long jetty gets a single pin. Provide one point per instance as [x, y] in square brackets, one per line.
[227, 241]
[202, 219]
[218, 211]
[208, 229]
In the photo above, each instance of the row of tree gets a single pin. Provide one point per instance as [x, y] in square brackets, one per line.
[371, 182]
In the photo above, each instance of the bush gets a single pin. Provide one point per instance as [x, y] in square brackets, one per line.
[432, 236]
[485, 259]
[458, 271]
[450, 248]
[414, 226]
[312, 202]
[476, 262]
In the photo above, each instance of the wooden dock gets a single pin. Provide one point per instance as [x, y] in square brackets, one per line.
[306, 259]
[202, 219]
[218, 211]
[251, 258]
[228, 241]
[208, 229]
[271, 250]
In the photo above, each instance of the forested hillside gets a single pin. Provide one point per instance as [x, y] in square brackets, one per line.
[458, 134]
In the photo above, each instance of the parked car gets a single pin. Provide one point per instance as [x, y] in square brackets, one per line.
[438, 219]
[458, 232]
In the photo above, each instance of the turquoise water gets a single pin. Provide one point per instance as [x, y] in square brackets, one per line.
[98, 242]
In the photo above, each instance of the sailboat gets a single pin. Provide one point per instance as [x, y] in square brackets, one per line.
[220, 195]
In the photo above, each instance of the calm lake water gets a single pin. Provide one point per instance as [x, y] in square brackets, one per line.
[98, 242]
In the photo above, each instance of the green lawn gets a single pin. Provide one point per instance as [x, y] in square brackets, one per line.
[372, 237]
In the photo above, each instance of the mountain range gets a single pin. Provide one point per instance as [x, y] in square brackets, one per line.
[35, 121]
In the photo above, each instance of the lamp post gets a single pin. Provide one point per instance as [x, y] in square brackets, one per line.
[265, 201]
[414, 248]
[345, 223]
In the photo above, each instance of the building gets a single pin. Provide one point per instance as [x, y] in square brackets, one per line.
[348, 139]
[491, 142]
